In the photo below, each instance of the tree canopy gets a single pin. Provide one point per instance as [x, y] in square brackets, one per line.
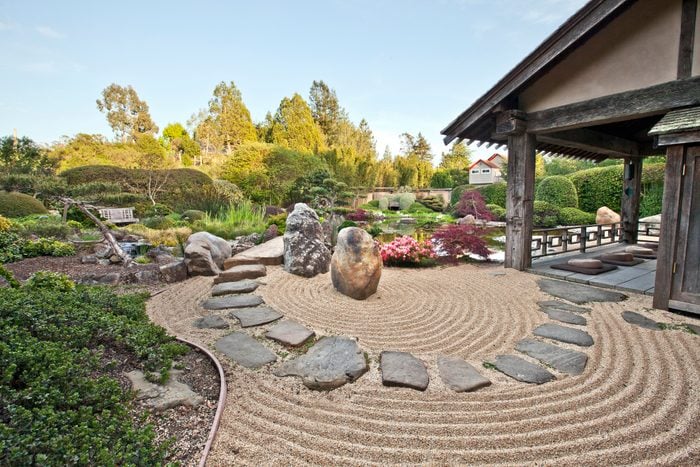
[294, 127]
[126, 113]
[24, 156]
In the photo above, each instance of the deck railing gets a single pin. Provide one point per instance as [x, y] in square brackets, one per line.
[557, 240]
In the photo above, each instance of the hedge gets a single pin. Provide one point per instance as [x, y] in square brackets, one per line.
[557, 190]
[545, 214]
[498, 212]
[19, 205]
[494, 193]
[574, 216]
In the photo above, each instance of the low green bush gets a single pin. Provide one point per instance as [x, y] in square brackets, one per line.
[651, 200]
[436, 203]
[59, 405]
[498, 212]
[193, 215]
[557, 190]
[418, 208]
[545, 214]
[241, 219]
[345, 224]
[373, 204]
[13, 204]
[280, 220]
[44, 226]
[574, 216]
[383, 203]
[152, 210]
[158, 222]
[494, 193]
[47, 247]
[94, 188]
[10, 247]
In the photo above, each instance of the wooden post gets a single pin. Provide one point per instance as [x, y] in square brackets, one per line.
[629, 209]
[519, 203]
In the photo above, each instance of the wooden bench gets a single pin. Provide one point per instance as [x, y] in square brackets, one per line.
[118, 215]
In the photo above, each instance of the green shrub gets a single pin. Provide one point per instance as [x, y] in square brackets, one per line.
[405, 200]
[651, 200]
[494, 193]
[383, 203]
[9, 277]
[158, 222]
[121, 200]
[418, 208]
[436, 203]
[373, 204]
[5, 224]
[345, 224]
[44, 226]
[15, 204]
[557, 190]
[74, 225]
[498, 212]
[545, 214]
[457, 193]
[193, 215]
[47, 247]
[342, 210]
[280, 220]
[10, 247]
[574, 216]
[374, 230]
[94, 188]
[241, 219]
[152, 210]
[50, 281]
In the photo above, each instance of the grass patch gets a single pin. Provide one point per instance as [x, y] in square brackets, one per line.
[241, 219]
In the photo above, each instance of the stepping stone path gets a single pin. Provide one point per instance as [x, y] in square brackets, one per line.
[557, 305]
[238, 273]
[245, 350]
[522, 370]
[564, 360]
[459, 375]
[166, 396]
[640, 320]
[211, 322]
[578, 293]
[403, 369]
[227, 288]
[290, 333]
[564, 334]
[565, 316]
[250, 317]
[329, 364]
[232, 301]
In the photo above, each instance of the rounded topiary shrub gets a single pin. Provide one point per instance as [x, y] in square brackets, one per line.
[498, 212]
[19, 205]
[557, 190]
[545, 214]
[574, 216]
[494, 193]
[193, 215]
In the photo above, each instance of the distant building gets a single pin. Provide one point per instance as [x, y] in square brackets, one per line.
[484, 172]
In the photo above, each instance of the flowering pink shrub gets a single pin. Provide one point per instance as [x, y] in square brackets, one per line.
[359, 215]
[406, 251]
[459, 240]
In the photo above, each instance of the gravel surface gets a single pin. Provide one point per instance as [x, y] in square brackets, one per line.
[637, 402]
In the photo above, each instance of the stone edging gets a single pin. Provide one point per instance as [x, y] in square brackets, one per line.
[221, 403]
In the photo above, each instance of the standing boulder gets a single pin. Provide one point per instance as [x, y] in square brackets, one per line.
[605, 215]
[205, 254]
[305, 253]
[356, 265]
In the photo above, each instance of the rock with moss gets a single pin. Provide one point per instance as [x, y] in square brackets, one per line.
[305, 251]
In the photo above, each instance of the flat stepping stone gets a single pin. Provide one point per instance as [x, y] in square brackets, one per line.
[232, 301]
[522, 370]
[238, 273]
[166, 396]
[557, 305]
[578, 293]
[290, 333]
[211, 322]
[565, 316]
[244, 350]
[564, 334]
[228, 288]
[403, 369]
[564, 360]
[640, 320]
[270, 253]
[249, 317]
[329, 364]
[459, 375]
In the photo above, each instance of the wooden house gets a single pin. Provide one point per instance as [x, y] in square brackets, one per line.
[620, 79]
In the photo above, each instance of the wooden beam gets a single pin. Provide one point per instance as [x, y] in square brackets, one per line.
[631, 188]
[592, 141]
[687, 137]
[687, 39]
[519, 202]
[591, 16]
[654, 100]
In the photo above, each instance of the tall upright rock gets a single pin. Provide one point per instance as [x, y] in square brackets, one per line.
[305, 253]
[356, 265]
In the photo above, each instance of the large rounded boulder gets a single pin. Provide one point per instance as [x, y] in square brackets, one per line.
[356, 265]
[205, 254]
[305, 252]
[605, 215]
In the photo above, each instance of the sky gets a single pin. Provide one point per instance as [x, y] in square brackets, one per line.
[405, 66]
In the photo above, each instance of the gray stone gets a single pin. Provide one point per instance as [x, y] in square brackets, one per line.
[239, 273]
[564, 360]
[329, 364]
[205, 254]
[564, 334]
[578, 293]
[356, 265]
[403, 369]
[211, 322]
[174, 272]
[163, 397]
[232, 301]
[459, 375]
[237, 287]
[557, 305]
[147, 276]
[111, 278]
[522, 370]
[565, 316]
[305, 252]
[245, 350]
[249, 317]
[269, 253]
[640, 320]
[88, 259]
[289, 333]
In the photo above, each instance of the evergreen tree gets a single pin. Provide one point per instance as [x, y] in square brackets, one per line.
[294, 126]
[179, 145]
[326, 110]
[229, 118]
[126, 113]
[458, 157]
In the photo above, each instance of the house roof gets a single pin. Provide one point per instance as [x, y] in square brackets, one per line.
[677, 121]
[495, 155]
[484, 161]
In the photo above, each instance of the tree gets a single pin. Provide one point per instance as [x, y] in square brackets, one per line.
[229, 120]
[294, 126]
[24, 156]
[152, 159]
[126, 113]
[441, 179]
[178, 143]
[416, 146]
[458, 157]
[326, 110]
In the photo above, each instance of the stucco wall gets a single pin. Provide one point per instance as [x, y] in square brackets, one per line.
[636, 50]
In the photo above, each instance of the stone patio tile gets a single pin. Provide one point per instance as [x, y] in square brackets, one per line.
[236, 287]
[522, 370]
[618, 276]
[232, 301]
[564, 360]
[565, 316]
[648, 264]
[639, 284]
[250, 317]
[578, 293]
[244, 350]
[289, 332]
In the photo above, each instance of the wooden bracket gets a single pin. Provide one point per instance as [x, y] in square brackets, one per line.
[510, 122]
